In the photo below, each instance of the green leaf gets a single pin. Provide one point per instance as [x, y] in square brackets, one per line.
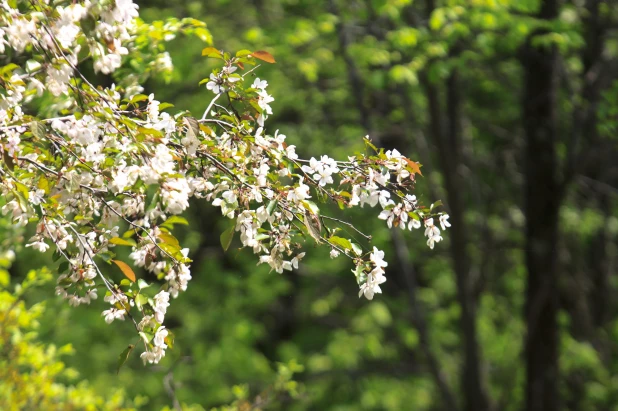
[122, 241]
[169, 340]
[32, 66]
[43, 184]
[23, 202]
[341, 242]
[203, 34]
[226, 238]
[172, 250]
[150, 131]
[124, 356]
[63, 267]
[370, 144]
[147, 337]
[255, 105]
[141, 283]
[128, 234]
[357, 249]
[106, 256]
[38, 129]
[211, 52]
[261, 237]
[311, 206]
[8, 68]
[138, 97]
[242, 53]
[22, 189]
[88, 24]
[175, 219]
[271, 206]
[141, 300]
[169, 239]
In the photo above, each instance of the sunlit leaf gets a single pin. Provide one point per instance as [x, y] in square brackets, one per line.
[341, 242]
[122, 241]
[169, 239]
[211, 52]
[414, 167]
[126, 270]
[264, 56]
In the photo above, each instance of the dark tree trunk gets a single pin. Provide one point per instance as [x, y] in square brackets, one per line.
[543, 196]
[406, 268]
[449, 148]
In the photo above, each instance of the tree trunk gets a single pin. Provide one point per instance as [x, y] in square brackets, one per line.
[543, 196]
[449, 148]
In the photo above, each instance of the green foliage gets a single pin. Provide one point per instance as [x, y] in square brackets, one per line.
[237, 319]
[33, 374]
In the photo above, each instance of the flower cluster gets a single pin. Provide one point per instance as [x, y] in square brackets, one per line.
[108, 167]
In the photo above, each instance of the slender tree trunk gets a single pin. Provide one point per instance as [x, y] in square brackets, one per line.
[450, 152]
[543, 195]
[449, 148]
[407, 270]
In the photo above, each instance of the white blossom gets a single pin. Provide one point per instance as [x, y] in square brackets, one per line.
[113, 314]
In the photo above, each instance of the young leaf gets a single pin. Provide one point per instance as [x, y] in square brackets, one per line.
[357, 249]
[124, 356]
[142, 284]
[141, 300]
[264, 56]
[414, 166]
[436, 204]
[122, 241]
[176, 220]
[242, 53]
[271, 206]
[169, 340]
[169, 239]
[211, 52]
[226, 238]
[126, 270]
[311, 206]
[341, 242]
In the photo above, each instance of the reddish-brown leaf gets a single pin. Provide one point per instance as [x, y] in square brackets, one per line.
[264, 56]
[126, 270]
[416, 167]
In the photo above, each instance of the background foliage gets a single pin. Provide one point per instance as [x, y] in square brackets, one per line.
[452, 84]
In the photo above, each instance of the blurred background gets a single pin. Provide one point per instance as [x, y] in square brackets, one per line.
[512, 108]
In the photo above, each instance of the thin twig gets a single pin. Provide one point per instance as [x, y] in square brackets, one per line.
[210, 106]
